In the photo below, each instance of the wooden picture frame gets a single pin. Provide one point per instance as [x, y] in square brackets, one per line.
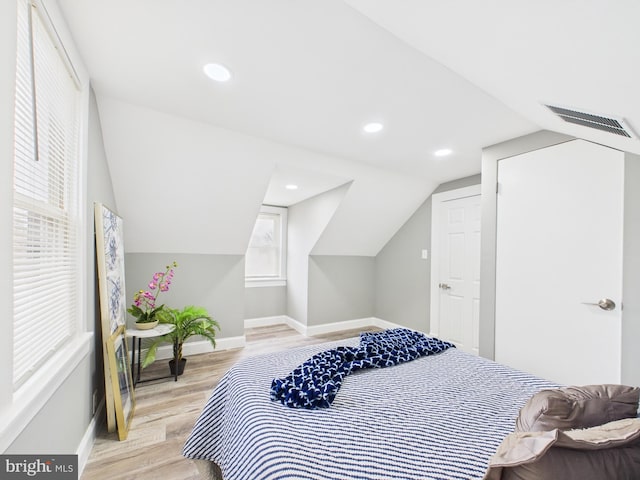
[121, 381]
[113, 310]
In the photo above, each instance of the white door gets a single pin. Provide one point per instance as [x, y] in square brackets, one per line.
[559, 252]
[455, 279]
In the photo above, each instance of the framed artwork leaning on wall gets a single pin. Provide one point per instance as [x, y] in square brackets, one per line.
[121, 381]
[110, 268]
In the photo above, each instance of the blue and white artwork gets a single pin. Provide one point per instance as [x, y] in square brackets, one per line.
[114, 268]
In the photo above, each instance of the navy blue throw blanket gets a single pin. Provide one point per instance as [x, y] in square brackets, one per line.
[316, 382]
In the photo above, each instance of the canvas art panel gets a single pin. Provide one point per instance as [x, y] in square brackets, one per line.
[114, 268]
[111, 281]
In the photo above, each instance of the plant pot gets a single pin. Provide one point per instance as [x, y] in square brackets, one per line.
[172, 366]
[146, 325]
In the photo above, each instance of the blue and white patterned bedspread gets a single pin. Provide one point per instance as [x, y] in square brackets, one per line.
[437, 417]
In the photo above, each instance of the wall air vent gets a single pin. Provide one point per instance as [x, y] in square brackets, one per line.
[616, 126]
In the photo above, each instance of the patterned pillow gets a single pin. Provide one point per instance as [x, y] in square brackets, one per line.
[577, 407]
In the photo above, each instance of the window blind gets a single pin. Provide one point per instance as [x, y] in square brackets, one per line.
[46, 210]
[265, 258]
[263, 255]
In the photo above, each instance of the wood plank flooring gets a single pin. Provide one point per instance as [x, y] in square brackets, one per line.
[166, 410]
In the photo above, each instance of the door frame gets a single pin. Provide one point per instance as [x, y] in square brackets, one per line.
[437, 202]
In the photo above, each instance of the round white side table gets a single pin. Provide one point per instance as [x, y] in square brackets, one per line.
[134, 333]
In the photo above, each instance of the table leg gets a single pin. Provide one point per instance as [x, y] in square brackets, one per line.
[139, 355]
[133, 361]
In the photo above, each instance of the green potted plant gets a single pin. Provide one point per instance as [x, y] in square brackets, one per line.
[144, 308]
[188, 322]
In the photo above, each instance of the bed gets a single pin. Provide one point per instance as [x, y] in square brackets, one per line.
[437, 417]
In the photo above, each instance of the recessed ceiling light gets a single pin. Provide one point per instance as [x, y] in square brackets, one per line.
[291, 187]
[443, 152]
[217, 72]
[373, 127]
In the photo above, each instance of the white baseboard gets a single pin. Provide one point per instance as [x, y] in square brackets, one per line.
[229, 343]
[380, 323]
[265, 321]
[312, 330]
[202, 346]
[89, 438]
[276, 320]
[339, 326]
[350, 325]
[296, 325]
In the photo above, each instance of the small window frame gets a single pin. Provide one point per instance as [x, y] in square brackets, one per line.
[280, 279]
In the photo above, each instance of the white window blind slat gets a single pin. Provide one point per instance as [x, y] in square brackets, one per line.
[45, 293]
[46, 221]
[55, 317]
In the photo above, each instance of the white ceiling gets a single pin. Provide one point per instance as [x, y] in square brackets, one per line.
[581, 54]
[309, 183]
[460, 74]
[309, 74]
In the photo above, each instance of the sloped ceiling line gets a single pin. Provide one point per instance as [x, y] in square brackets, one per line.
[189, 187]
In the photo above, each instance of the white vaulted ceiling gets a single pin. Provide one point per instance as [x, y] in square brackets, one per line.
[570, 53]
[307, 75]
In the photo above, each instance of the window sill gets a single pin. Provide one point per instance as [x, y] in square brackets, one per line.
[29, 399]
[265, 282]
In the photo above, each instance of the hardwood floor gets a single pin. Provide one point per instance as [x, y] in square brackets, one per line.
[166, 410]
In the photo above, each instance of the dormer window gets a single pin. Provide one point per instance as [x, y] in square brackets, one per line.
[266, 257]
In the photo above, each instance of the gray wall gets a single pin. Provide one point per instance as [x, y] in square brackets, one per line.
[60, 425]
[215, 282]
[63, 420]
[402, 277]
[265, 302]
[340, 288]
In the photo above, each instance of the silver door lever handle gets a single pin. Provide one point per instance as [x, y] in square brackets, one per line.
[444, 286]
[604, 304]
